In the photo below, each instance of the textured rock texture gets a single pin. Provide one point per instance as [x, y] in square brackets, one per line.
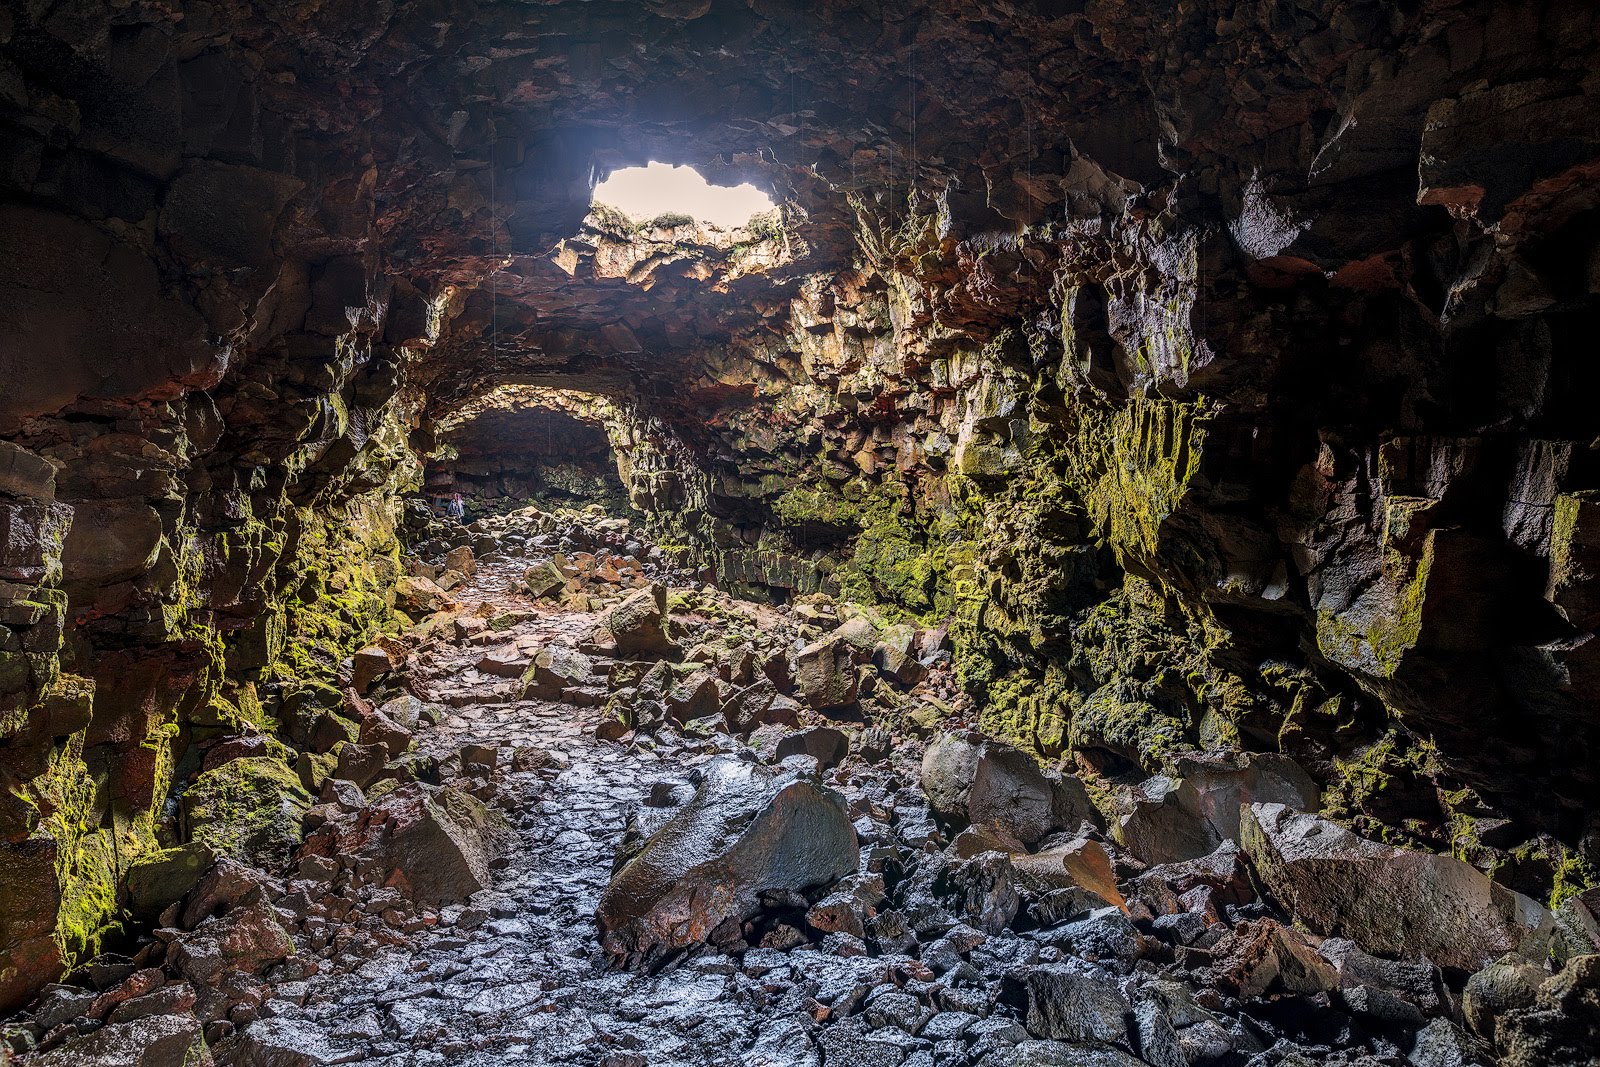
[1211, 376]
[1391, 901]
[746, 834]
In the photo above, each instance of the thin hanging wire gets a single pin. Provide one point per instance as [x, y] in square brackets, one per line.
[913, 112]
[494, 257]
[1027, 113]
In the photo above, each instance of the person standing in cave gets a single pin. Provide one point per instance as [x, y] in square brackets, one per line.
[456, 509]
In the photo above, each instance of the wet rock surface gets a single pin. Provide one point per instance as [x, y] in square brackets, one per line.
[514, 882]
[1209, 377]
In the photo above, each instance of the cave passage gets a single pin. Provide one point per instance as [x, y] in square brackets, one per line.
[1048, 535]
[529, 446]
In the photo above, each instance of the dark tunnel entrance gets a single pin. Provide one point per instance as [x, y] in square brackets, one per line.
[522, 445]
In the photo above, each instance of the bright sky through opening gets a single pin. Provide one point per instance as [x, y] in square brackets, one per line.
[643, 193]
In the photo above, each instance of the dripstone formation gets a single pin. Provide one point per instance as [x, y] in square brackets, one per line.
[1106, 571]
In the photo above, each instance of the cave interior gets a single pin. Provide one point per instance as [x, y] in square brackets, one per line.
[1104, 570]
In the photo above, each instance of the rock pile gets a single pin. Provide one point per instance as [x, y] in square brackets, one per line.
[819, 882]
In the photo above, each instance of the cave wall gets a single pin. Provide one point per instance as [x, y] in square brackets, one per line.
[1358, 554]
[523, 446]
[205, 437]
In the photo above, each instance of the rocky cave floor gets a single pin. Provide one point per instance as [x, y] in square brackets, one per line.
[442, 906]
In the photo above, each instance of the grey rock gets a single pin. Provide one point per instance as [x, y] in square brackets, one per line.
[1389, 900]
[746, 832]
[1072, 1002]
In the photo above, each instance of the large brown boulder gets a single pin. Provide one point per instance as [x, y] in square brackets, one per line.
[1174, 819]
[433, 843]
[1391, 901]
[747, 831]
[825, 673]
[989, 784]
[640, 626]
[420, 596]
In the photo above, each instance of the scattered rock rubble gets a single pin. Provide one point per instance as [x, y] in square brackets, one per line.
[591, 811]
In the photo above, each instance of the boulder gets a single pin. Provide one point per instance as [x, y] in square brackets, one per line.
[696, 696]
[1257, 958]
[361, 764]
[280, 1042]
[435, 843]
[1442, 1044]
[824, 744]
[408, 711]
[825, 673]
[553, 669]
[1416, 982]
[986, 886]
[461, 560]
[165, 1040]
[1172, 819]
[986, 783]
[948, 766]
[164, 877]
[228, 884]
[378, 729]
[1074, 1002]
[420, 596]
[249, 809]
[746, 832]
[543, 580]
[367, 665]
[1497, 991]
[1391, 901]
[1561, 1025]
[1210, 882]
[1082, 863]
[247, 938]
[506, 661]
[639, 625]
[895, 656]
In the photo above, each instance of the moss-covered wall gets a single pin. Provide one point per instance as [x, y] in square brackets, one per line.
[1019, 438]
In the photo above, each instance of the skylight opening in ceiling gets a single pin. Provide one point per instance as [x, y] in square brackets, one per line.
[659, 190]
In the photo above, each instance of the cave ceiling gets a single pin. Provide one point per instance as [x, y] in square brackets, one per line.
[461, 140]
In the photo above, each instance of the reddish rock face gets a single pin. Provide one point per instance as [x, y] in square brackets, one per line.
[31, 954]
[1390, 901]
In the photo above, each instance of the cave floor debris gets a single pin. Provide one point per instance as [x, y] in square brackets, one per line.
[1031, 937]
[517, 976]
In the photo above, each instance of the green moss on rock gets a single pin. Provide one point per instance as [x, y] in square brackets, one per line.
[250, 809]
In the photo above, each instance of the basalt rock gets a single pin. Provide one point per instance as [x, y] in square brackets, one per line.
[249, 809]
[826, 673]
[434, 844]
[746, 832]
[157, 1040]
[1390, 901]
[988, 784]
[1183, 818]
[640, 625]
